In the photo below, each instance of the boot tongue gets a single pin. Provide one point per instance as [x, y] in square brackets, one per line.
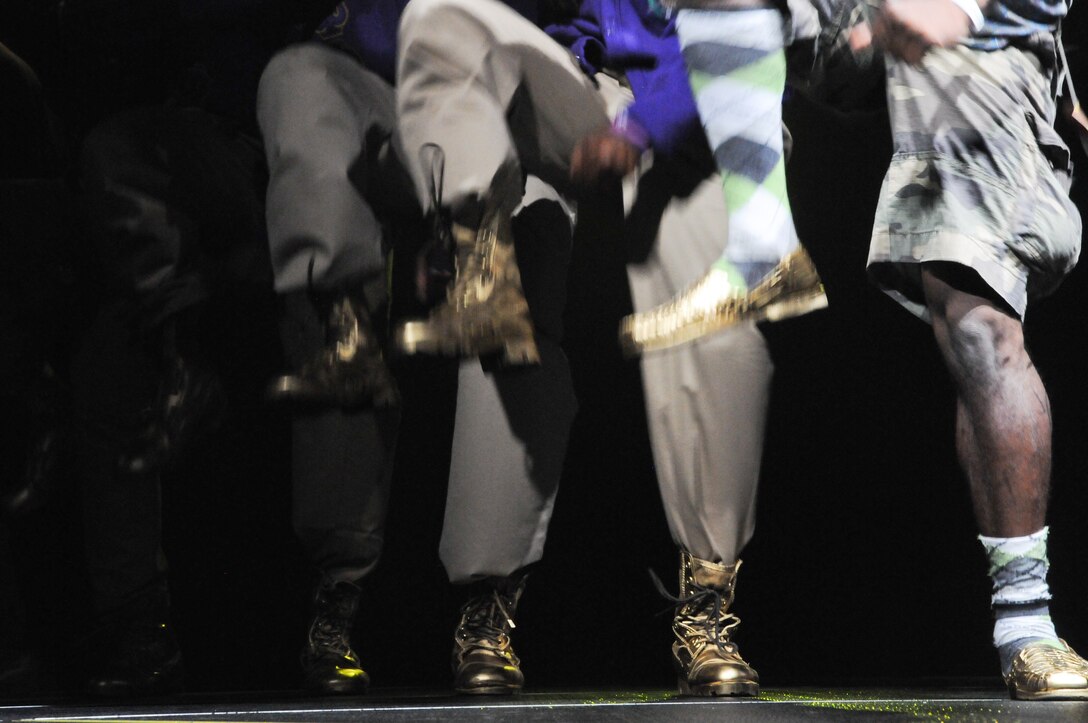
[712, 574]
[341, 600]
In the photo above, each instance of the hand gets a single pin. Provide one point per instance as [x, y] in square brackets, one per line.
[860, 38]
[907, 29]
[600, 157]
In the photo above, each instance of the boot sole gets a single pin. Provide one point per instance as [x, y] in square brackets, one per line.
[338, 688]
[785, 308]
[286, 391]
[796, 306]
[417, 337]
[1060, 694]
[490, 690]
[715, 690]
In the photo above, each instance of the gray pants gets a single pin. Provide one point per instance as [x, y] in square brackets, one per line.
[325, 121]
[489, 88]
[512, 425]
[706, 403]
[492, 90]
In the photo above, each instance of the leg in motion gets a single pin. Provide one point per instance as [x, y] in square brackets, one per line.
[1003, 435]
[485, 310]
[951, 244]
[706, 412]
[509, 443]
[484, 97]
[737, 70]
[326, 120]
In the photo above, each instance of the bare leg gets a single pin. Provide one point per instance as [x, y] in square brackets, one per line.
[1003, 428]
[1003, 422]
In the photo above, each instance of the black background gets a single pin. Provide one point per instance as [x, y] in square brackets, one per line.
[864, 567]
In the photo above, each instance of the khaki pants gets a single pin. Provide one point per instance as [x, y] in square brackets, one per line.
[706, 403]
[492, 91]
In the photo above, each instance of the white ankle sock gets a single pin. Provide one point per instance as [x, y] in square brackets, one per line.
[1018, 567]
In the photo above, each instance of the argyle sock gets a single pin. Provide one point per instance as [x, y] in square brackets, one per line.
[1018, 567]
[737, 70]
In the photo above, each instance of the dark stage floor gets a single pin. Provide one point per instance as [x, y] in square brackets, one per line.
[960, 704]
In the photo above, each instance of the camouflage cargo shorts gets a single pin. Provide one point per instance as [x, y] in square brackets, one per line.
[979, 177]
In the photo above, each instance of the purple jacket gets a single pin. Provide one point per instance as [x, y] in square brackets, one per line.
[626, 35]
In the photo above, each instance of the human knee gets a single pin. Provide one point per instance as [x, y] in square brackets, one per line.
[971, 323]
[298, 61]
[982, 342]
[294, 67]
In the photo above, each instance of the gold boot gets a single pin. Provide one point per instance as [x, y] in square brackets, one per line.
[484, 662]
[485, 309]
[707, 661]
[713, 303]
[1041, 671]
[337, 359]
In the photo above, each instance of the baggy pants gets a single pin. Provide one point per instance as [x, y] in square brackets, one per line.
[324, 118]
[706, 402]
[491, 89]
[512, 425]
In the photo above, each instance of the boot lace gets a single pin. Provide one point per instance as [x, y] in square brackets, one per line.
[1044, 660]
[702, 617]
[485, 623]
[328, 636]
[330, 631]
[435, 264]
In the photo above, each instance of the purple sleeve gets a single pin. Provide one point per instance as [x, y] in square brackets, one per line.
[582, 37]
[625, 36]
[664, 105]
